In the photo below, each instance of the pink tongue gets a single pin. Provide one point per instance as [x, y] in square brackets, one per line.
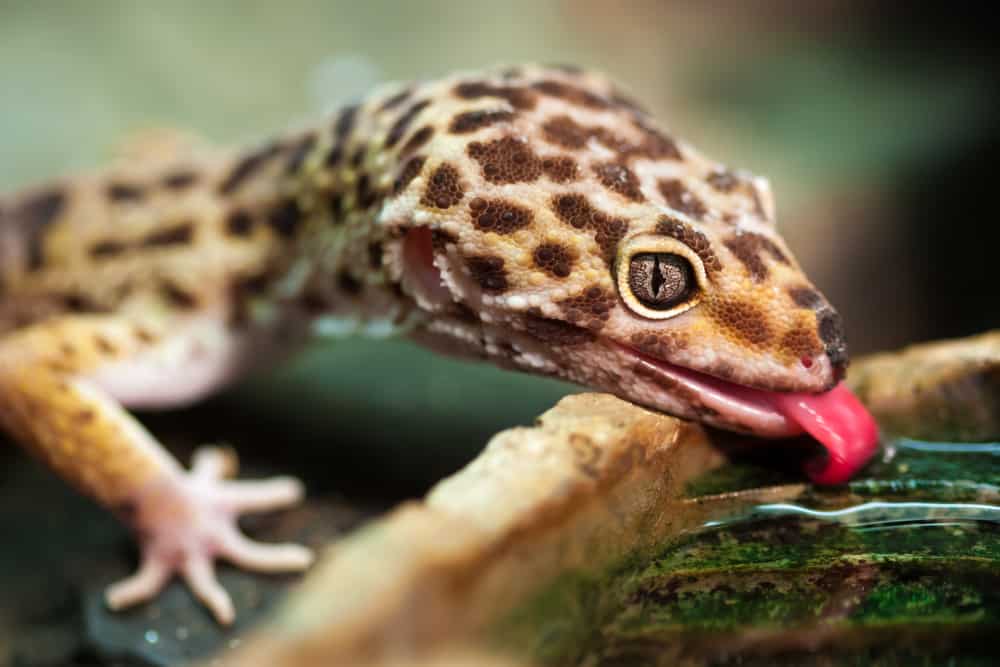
[839, 421]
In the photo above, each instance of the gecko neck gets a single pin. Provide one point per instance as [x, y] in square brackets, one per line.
[320, 191]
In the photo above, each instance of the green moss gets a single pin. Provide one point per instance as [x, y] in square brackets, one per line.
[911, 576]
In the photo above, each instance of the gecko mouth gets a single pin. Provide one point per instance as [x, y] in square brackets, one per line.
[725, 403]
[836, 418]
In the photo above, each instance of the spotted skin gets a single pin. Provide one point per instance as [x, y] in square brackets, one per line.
[486, 214]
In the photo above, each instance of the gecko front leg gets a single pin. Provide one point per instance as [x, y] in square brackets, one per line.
[62, 386]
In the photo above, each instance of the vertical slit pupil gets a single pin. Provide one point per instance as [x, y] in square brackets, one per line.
[657, 277]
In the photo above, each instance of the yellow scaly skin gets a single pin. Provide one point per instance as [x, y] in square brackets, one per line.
[513, 215]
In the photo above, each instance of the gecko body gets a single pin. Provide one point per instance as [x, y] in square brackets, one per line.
[531, 216]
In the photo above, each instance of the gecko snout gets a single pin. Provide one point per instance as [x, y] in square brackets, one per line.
[831, 332]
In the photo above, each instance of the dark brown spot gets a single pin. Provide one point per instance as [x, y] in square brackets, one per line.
[488, 271]
[742, 319]
[519, 98]
[566, 132]
[655, 144]
[239, 223]
[693, 239]
[680, 198]
[554, 259]
[337, 213]
[400, 127]
[35, 214]
[419, 138]
[576, 210]
[247, 166]
[556, 332]
[409, 171]
[659, 344]
[299, 152]
[499, 215]
[560, 169]
[285, 218]
[366, 196]
[106, 249]
[81, 303]
[619, 178]
[180, 179]
[590, 308]
[144, 335]
[375, 254]
[396, 100]
[124, 192]
[806, 297]
[176, 296]
[506, 160]
[180, 234]
[470, 121]
[748, 247]
[105, 346]
[358, 158]
[444, 188]
[348, 283]
[335, 155]
[84, 417]
[571, 94]
[345, 122]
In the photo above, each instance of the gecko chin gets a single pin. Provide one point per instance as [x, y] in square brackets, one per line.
[695, 395]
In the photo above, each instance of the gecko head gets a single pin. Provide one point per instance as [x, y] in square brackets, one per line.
[557, 231]
[697, 320]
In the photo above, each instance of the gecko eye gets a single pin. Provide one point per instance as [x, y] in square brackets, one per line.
[659, 277]
[660, 280]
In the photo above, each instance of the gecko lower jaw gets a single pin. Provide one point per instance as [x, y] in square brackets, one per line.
[720, 402]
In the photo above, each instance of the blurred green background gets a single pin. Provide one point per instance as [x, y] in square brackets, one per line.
[876, 122]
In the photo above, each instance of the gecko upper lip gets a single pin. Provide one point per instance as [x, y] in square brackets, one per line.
[738, 406]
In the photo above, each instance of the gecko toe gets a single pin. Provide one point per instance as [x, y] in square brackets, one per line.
[251, 555]
[199, 573]
[144, 585]
[261, 496]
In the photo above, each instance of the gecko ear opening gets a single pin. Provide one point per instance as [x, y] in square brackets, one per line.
[421, 276]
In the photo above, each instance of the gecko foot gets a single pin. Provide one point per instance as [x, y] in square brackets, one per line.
[188, 521]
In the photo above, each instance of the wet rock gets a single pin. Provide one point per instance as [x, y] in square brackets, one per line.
[947, 390]
[597, 478]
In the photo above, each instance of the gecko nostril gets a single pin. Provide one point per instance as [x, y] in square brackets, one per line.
[807, 362]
